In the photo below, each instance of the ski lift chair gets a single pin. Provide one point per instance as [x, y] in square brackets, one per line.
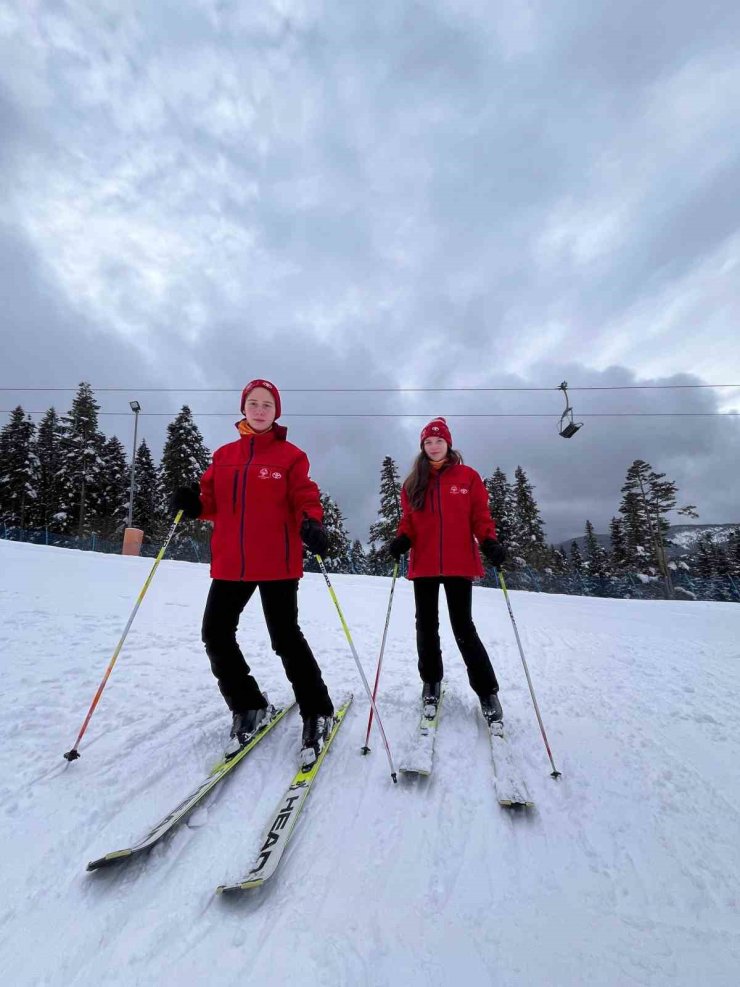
[567, 427]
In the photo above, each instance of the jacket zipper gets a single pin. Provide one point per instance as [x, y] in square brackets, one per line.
[233, 492]
[441, 527]
[244, 505]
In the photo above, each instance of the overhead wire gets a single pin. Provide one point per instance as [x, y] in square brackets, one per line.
[380, 390]
[448, 414]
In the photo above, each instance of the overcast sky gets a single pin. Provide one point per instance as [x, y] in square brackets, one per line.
[452, 193]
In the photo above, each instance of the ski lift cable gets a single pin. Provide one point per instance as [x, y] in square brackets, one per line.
[425, 416]
[380, 390]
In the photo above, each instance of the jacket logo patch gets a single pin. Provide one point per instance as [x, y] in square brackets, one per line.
[277, 476]
[456, 490]
[264, 473]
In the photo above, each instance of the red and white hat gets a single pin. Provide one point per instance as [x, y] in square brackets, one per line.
[269, 386]
[437, 428]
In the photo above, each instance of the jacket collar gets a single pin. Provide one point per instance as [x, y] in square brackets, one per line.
[278, 433]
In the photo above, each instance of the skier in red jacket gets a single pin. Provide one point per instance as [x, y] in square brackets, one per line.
[263, 505]
[445, 519]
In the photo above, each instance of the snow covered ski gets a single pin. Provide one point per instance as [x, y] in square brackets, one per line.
[282, 824]
[420, 755]
[172, 819]
[511, 790]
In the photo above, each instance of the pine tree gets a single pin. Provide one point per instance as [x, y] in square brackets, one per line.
[49, 438]
[185, 457]
[703, 561]
[338, 552]
[112, 495]
[389, 512]
[383, 530]
[733, 549]
[357, 558]
[635, 522]
[647, 500]
[501, 505]
[81, 461]
[18, 469]
[618, 546]
[722, 562]
[596, 557]
[558, 561]
[147, 514]
[528, 527]
[576, 559]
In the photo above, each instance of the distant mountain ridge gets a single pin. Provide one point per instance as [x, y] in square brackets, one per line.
[682, 539]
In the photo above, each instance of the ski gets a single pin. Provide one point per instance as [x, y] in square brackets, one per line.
[419, 757]
[511, 790]
[282, 824]
[180, 812]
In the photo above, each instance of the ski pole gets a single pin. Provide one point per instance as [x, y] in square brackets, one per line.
[366, 749]
[73, 754]
[360, 669]
[554, 773]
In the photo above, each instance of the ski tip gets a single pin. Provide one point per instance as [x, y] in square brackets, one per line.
[232, 889]
[109, 859]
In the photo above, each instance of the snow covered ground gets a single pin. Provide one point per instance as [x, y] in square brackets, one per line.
[627, 872]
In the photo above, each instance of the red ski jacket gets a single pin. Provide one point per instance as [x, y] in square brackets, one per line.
[257, 491]
[443, 533]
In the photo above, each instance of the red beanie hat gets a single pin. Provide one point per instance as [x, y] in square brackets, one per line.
[269, 387]
[437, 428]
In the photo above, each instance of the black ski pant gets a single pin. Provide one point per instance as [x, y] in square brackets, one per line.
[459, 593]
[226, 600]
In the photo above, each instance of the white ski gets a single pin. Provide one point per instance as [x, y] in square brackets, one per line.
[283, 822]
[419, 757]
[511, 791]
[181, 811]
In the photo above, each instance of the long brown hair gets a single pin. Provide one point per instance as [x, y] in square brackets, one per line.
[417, 481]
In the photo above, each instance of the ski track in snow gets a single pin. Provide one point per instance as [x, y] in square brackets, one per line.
[625, 873]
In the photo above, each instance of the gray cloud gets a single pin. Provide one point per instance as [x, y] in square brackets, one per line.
[381, 195]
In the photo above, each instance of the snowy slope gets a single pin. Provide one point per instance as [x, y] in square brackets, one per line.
[684, 538]
[626, 873]
[681, 539]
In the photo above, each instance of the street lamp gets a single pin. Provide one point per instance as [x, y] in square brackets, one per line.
[136, 408]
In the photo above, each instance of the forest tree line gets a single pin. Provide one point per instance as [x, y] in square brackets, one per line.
[65, 476]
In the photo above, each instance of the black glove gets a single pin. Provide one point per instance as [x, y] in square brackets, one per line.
[399, 546]
[493, 550]
[187, 500]
[315, 537]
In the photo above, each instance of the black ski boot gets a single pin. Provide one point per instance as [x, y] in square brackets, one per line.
[243, 727]
[315, 731]
[491, 708]
[430, 696]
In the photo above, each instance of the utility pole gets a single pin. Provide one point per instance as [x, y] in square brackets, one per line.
[136, 408]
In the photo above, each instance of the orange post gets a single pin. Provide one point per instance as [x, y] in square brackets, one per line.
[132, 539]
